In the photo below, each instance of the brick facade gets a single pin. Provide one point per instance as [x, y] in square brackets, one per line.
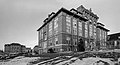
[74, 30]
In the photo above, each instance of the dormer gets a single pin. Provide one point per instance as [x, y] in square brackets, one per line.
[51, 14]
[74, 11]
[100, 24]
[80, 8]
[45, 20]
[87, 13]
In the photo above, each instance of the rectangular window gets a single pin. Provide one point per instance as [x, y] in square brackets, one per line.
[56, 22]
[68, 19]
[50, 42]
[50, 28]
[68, 24]
[90, 30]
[75, 41]
[56, 26]
[45, 33]
[86, 29]
[86, 43]
[100, 34]
[56, 40]
[41, 33]
[68, 40]
[94, 31]
[105, 36]
[44, 44]
[41, 44]
[74, 26]
[80, 28]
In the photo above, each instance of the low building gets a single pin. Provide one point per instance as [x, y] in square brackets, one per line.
[1, 53]
[14, 48]
[36, 49]
[28, 50]
[113, 41]
[23, 48]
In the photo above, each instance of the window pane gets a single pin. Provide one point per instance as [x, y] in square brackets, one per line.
[68, 24]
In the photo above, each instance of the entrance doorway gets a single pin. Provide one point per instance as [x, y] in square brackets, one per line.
[80, 46]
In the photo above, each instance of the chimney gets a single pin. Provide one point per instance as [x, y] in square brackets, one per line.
[51, 14]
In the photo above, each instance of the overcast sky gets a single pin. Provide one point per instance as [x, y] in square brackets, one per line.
[19, 19]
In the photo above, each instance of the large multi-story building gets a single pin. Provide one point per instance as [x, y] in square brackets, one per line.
[113, 41]
[14, 48]
[70, 30]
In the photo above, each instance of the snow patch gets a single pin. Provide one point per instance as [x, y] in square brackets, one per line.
[19, 61]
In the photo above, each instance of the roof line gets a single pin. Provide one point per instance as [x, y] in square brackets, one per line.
[103, 28]
[64, 10]
[114, 33]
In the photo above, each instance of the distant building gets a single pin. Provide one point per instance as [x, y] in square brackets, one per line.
[1, 53]
[36, 49]
[23, 48]
[71, 30]
[28, 50]
[14, 48]
[113, 41]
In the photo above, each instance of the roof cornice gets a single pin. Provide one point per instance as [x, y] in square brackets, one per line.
[62, 10]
